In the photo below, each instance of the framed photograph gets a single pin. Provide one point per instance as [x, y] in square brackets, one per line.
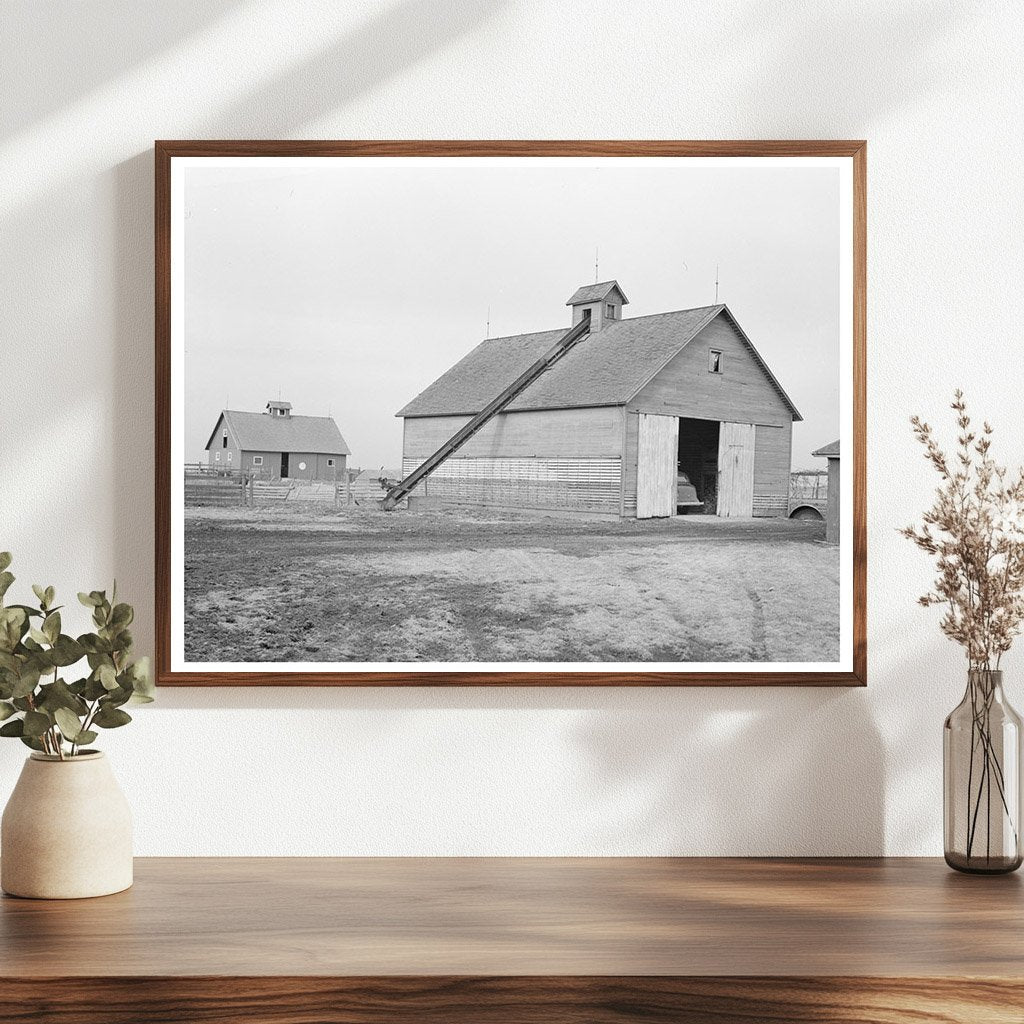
[510, 413]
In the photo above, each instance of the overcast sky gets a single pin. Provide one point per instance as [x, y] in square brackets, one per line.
[347, 289]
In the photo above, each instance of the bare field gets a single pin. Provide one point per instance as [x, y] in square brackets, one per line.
[475, 586]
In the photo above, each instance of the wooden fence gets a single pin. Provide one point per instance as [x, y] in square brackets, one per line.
[206, 486]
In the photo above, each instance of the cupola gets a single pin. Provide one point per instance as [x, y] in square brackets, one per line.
[279, 409]
[600, 303]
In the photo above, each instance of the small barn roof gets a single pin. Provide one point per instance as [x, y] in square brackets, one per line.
[596, 293]
[829, 451]
[279, 405]
[609, 367]
[258, 432]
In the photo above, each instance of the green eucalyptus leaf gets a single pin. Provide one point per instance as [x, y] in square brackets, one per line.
[23, 703]
[6, 579]
[89, 600]
[109, 717]
[51, 626]
[13, 626]
[6, 710]
[69, 724]
[115, 698]
[36, 723]
[27, 681]
[31, 741]
[5, 559]
[16, 727]
[122, 616]
[142, 681]
[59, 695]
[38, 636]
[29, 611]
[40, 592]
[50, 594]
[86, 736]
[94, 689]
[94, 644]
[107, 676]
[66, 651]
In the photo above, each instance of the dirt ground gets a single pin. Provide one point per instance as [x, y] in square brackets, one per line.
[285, 584]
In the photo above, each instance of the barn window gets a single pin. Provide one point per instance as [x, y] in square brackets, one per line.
[224, 439]
[714, 361]
[216, 456]
[330, 462]
[229, 456]
[586, 315]
[611, 311]
[257, 460]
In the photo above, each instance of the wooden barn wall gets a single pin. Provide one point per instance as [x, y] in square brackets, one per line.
[572, 484]
[220, 457]
[554, 433]
[773, 454]
[741, 393]
[550, 459]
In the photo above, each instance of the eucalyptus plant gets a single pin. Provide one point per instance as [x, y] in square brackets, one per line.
[37, 703]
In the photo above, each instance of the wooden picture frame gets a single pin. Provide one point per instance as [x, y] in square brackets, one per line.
[851, 153]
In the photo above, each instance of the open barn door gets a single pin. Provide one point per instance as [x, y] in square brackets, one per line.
[736, 470]
[657, 454]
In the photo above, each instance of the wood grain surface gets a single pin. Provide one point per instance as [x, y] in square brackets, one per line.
[165, 151]
[503, 940]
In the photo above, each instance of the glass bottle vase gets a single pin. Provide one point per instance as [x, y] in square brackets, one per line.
[981, 771]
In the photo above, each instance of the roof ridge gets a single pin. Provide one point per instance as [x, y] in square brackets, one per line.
[611, 323]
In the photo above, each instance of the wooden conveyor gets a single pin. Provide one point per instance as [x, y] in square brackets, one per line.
[568, 341]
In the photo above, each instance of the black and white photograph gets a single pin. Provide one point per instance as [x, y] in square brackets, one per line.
[514, 414]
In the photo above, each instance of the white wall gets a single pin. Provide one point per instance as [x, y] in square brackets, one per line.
[936, 88]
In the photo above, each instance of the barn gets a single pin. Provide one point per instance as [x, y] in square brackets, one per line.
[610, 425]
[275, 444]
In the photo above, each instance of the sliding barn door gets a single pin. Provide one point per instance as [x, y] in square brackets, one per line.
[657, 456]
[736, 470]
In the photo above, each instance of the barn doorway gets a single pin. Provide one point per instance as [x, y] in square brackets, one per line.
[697, 459]
[284, 465]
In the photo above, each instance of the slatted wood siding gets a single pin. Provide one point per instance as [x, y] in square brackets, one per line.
[592, 485]
[736, 470]
[658, 443]
[773, 454]
[543, 459]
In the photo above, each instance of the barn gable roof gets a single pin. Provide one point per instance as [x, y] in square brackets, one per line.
[257, 432]
[828, 451]
[609, 367]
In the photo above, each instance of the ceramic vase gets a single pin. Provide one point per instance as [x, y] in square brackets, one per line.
[66, 831]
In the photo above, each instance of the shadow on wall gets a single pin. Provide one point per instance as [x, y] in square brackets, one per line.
[393, 40]
[739, 772]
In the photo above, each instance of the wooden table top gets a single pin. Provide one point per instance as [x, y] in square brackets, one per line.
[527, 916]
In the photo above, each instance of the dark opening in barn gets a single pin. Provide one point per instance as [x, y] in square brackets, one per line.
[698, 461]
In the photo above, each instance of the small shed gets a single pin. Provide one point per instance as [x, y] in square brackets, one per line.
[612, 425]
[831, 452]
[275, 444]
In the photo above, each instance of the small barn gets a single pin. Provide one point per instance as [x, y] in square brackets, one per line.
[614, 422]
[276, 444]
[831, 453]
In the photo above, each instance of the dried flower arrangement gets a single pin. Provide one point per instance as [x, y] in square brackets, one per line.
[975, 531]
